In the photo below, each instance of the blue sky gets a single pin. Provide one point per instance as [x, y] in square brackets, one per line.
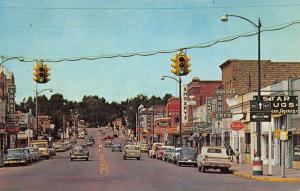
[58, 29]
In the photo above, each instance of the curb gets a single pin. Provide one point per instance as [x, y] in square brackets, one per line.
[265, 178]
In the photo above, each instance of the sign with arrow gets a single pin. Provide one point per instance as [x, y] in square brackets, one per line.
[260, 111]
[260, 116]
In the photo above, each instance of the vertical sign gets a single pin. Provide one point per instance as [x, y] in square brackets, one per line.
[219, 106]
[184, 104]
[209, 109]
[11, 99]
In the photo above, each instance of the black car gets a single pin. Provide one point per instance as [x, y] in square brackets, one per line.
[116, 147]
[89, 142]
[187, 156]
[91, 138]
[17, 156]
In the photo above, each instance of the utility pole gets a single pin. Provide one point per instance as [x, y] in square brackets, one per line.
[63, 127]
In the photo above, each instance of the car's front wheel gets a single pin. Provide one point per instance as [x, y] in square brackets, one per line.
[138, 158]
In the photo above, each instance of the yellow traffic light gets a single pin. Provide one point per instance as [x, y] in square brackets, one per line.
[47, 73]
[181, 64]
[41, 72]
[175, 66]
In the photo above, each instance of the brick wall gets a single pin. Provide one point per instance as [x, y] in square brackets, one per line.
[241, 75]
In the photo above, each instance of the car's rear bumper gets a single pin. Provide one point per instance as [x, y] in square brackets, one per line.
[187, 162]
[79, 157]
[216, 165]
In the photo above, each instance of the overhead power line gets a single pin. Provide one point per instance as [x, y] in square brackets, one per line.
[151, 53]
[152, 8]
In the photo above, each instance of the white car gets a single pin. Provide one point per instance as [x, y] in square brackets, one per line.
[174, 155]
[214, 158]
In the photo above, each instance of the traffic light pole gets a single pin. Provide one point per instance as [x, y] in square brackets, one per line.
[180, 114]
[36, 110]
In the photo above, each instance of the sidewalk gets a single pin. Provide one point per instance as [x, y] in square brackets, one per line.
[292, 175]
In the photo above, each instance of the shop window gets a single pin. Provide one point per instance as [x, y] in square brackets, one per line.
[296, 147]
[247, 142]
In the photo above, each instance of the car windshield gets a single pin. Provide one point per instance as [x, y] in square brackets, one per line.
[15, 151]
[33, 150]
[213, 150]
[188, 152]
[39, 145]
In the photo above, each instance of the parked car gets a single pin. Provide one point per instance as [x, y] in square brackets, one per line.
[174, 155]
[214, 158]
[170, 154]
[154, 148]
[131, 151]
[1, 160]
[59, 146]
[143, 147]
[166, 152]
[187, 156]
[116, 147]
[79, 152]
[35, 153]
[108, 143]
[17, 156]
[43, 147]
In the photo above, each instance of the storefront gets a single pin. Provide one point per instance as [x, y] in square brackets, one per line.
[296, 149]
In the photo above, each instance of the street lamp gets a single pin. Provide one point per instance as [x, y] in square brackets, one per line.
[257, 26]
[180, 105]
[36, 105]
[138, 120]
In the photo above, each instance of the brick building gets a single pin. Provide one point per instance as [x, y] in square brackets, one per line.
[201, 89]
[6, 137]
[241, 75]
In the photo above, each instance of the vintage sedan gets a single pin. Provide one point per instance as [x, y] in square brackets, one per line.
[166, 152]
[108, 143]
[35, 153]
[79, 152]
[143, 147]
[131, 151]
[17, 156]
[174, 155]
[59, 147]
[213, 157]
[116, 147]
[1, 160]
[89, 142]
[187, 156]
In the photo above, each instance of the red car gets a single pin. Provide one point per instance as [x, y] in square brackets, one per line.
[107, 137]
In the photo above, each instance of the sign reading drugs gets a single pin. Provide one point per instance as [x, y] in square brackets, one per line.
[282, 104]
[184, 106]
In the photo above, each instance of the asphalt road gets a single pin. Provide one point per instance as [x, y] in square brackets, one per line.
[107, 171]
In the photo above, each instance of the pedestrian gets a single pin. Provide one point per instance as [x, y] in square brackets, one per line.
[237, 156]
[230, 151]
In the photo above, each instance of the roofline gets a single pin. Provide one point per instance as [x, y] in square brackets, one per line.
[238, 60]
